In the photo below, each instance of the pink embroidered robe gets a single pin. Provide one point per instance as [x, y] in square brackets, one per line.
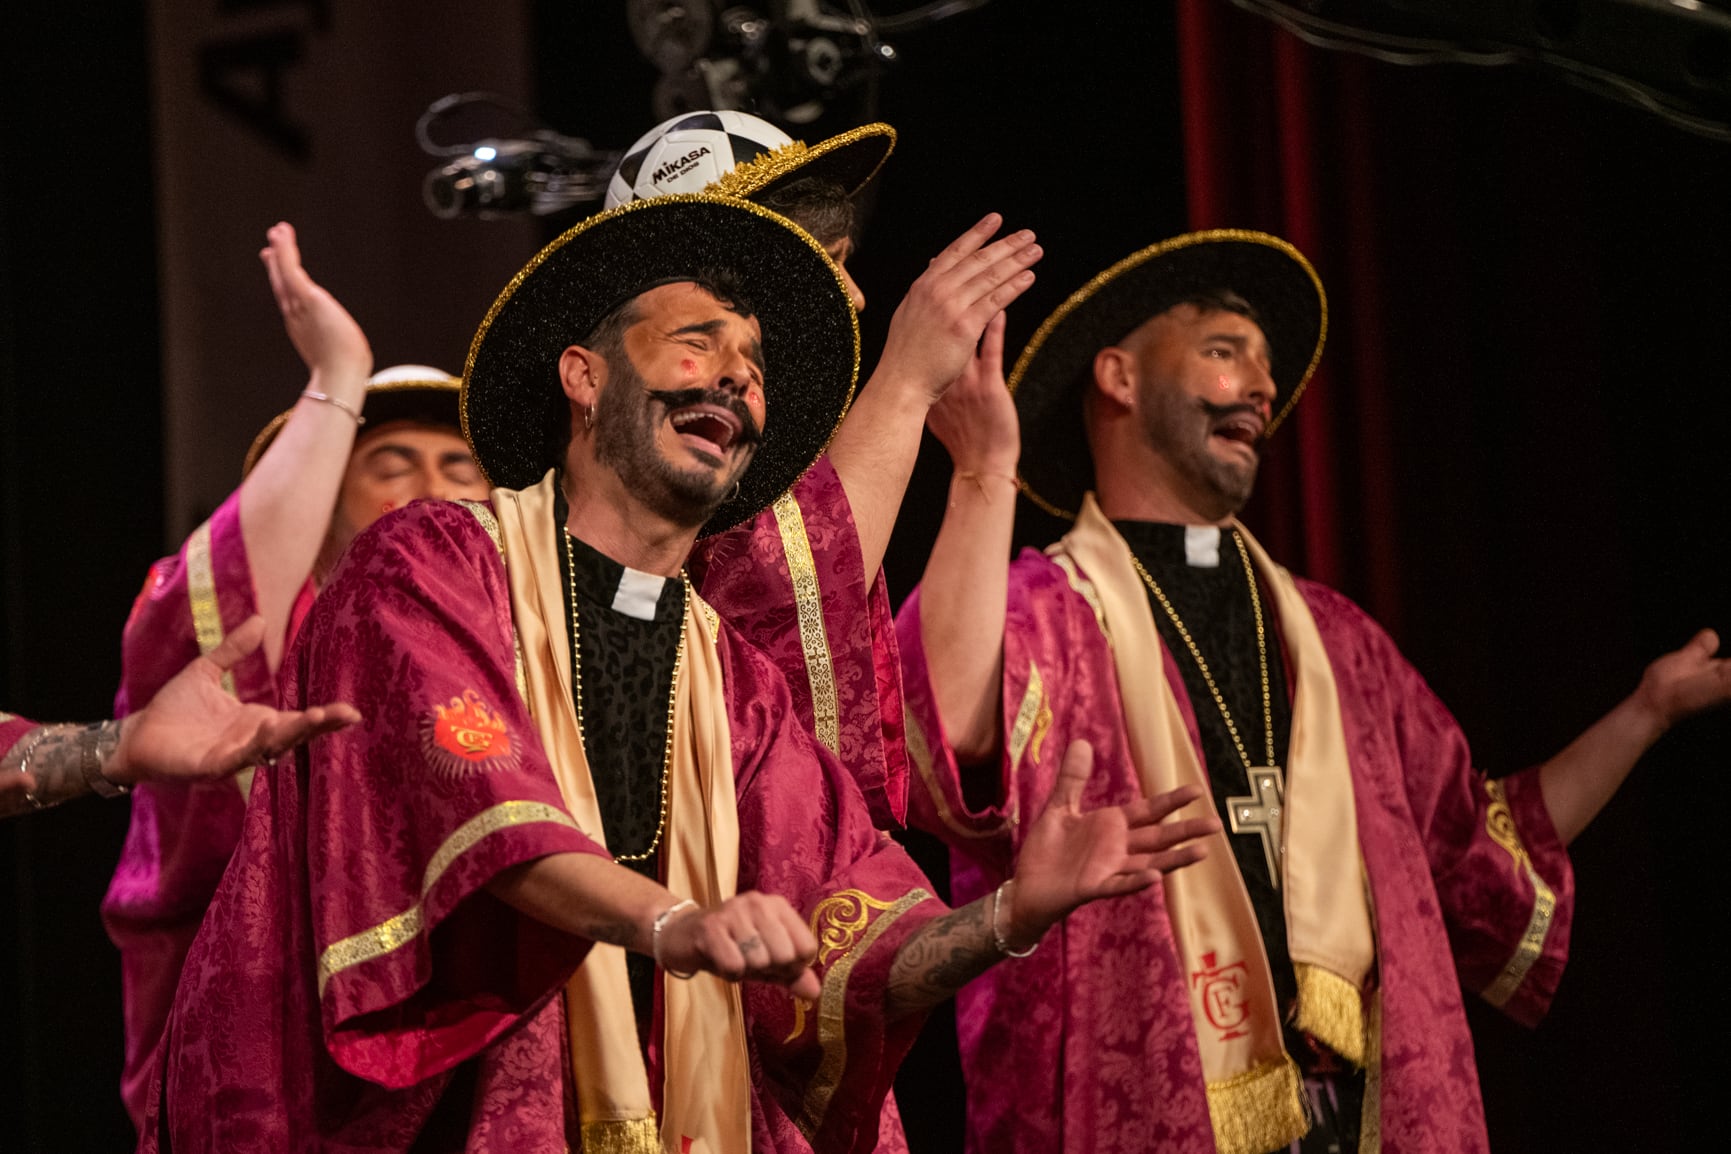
[181, 835]
[1088, 1047]
[355, 986]
[792, 581]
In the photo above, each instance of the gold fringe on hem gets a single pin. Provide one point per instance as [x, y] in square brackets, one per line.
[1331, 1010]
[622, 1136]
[1258, 1111]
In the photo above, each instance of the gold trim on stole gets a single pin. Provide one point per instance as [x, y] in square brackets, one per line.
[845, 913]
[207, 617]
[814, 639]
[1259, 1110]
[397, 931]
[1500, 825]
[1331, 1010]
[920, 754]
[624, 1136]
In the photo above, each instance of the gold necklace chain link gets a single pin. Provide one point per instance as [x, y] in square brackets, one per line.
[1207, 677]
[672, 696]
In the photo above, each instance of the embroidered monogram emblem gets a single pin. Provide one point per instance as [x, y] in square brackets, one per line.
[466, 734]
[1222, 993]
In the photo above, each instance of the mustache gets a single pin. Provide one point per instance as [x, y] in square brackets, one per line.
[1217, 412]
[670, 399]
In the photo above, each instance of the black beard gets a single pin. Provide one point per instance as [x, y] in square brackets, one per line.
[626, 419]
[1180, 431]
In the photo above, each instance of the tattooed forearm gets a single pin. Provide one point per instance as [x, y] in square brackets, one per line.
[54, 756]
[943, 956]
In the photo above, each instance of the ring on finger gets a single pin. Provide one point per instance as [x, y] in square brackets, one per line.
[750, 944]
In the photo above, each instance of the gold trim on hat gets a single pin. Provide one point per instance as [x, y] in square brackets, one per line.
[269, 433]
[650, 205]
[756, 175]
[1135, 260]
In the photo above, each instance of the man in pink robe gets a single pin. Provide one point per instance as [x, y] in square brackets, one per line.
[801, 580]
[378, 968]
[314, 478]
[1093, 1046]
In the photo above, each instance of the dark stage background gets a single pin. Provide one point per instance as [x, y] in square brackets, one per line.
[1513, 456]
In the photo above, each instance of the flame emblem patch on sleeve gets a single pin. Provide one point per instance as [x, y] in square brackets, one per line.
[466, 734]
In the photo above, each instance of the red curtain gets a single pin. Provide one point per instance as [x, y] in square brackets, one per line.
[1254, 158]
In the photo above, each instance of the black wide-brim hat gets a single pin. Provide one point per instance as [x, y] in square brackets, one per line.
[849, 159]
[514, 411]
[403, 393]
[1055, 370]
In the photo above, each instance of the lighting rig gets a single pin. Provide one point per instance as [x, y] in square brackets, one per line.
[787, 61]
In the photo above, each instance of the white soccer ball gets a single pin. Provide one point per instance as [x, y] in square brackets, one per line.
[690, 152]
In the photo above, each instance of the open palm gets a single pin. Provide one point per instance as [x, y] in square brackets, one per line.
[1072, 857]
[194, 730]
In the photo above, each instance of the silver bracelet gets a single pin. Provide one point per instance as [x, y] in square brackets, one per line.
[998, 938]
[310, 395]
[24, 766]
[90, 764]
[655, 928]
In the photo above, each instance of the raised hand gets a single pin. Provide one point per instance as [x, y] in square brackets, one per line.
[194, 730]
[976, 417]
[1686, 682]
[750, 937]
[1071, 857]
[322, 331]
[936, 327]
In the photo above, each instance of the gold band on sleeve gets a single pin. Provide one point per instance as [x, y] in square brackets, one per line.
[1500, 825]
[377, 941]
[838, 922]
[814, 639]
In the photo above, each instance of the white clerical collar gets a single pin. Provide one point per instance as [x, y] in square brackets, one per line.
[1202, 546]
[638, 594]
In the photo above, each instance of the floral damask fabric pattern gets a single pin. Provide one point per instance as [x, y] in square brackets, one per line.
[437, 1014]
[754, 575]
[1089, 1045]
[181, 836]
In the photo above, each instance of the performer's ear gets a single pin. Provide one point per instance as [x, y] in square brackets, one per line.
[1115, 376]
[582, 372]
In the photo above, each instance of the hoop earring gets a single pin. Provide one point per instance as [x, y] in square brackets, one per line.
[735, 496]
[589, 417]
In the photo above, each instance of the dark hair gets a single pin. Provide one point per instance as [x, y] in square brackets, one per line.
[1220, 300]
[1209, 300]
[821, 207]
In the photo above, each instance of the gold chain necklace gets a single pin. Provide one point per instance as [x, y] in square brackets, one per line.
[672, 696]
[1207, 677]
[1261, 813]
